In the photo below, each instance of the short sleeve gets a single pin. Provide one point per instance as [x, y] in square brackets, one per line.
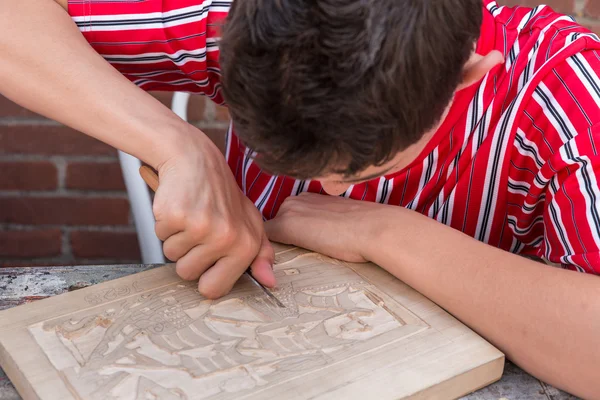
[572, 210]
[168, 45]
[554, 193]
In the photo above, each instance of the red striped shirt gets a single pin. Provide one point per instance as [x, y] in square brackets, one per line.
[515, 164]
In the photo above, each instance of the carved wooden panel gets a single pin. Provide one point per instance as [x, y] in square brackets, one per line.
[348, 331]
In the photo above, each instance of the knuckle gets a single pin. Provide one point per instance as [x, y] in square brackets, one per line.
[228, 240]
[159, 233]
[175, 216]
[283, 208]
[293, 203]
[197, 228]
[226, 235]
[212, 291]
[157, 210]
[185, 272]
[291, 200]
[171, 252]
[286, 206]
[288, 210]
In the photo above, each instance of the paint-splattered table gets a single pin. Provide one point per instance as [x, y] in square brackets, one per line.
[22, 285]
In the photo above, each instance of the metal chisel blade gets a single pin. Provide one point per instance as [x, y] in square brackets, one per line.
[267, 292]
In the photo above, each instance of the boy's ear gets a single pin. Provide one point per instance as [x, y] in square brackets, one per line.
[477, 66]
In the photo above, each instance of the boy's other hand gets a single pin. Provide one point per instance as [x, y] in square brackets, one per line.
[331, 225]
[209, 228]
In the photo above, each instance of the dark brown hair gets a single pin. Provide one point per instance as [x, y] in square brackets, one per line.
[321, 86]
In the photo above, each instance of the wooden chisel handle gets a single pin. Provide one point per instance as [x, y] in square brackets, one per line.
[149, 176]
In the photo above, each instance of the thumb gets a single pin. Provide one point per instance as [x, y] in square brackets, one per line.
[262, 266]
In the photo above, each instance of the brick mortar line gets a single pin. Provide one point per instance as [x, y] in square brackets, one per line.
[100, 159]
[65, 243]
[61, 173]
[68, 262]
[71, 193]
[105, 229]
[211, 122]
[19, 121]
[68, 228]
[67, 257]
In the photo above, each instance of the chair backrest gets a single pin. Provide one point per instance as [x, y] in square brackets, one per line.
[140, 198]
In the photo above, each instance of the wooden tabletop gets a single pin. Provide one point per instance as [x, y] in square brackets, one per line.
[23, 285]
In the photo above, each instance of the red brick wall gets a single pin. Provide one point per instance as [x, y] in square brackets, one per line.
[62, 197]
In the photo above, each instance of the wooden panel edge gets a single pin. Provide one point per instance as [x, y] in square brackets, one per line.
[458, 386]
[16, 347]
[16, 375]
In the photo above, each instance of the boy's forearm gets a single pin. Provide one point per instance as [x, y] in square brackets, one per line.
[48, 67]
[545, 319]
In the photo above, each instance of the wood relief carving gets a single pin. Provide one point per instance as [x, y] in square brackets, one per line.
[145, 337]
[169, 343]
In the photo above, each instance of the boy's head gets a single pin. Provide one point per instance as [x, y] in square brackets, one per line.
[320, 87]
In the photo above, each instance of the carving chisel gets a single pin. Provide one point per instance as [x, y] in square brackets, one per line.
[151, 179]
[267, 291]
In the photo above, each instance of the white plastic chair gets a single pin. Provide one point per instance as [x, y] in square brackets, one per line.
[139, 195]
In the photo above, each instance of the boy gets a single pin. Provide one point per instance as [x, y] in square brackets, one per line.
[482, 124]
